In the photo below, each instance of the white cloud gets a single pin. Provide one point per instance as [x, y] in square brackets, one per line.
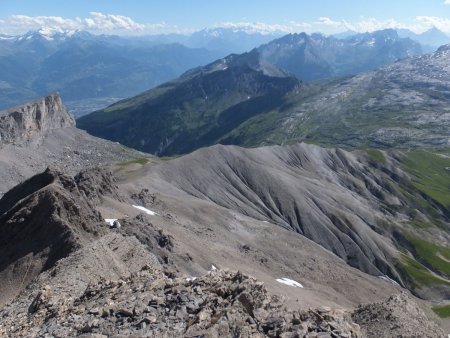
[109, 22]
[328, 22]
[264, 28]
[22, 23]
[118, 24]
[372, 24]
[96, 23]
[447, 2]
[442, 24]
[328, 25]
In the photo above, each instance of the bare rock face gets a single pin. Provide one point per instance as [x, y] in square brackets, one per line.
[32, 121]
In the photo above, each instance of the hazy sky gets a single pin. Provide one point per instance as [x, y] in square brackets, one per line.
[158, 16]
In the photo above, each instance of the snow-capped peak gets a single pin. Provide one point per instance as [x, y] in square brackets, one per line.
[47, 33]
[6, 37]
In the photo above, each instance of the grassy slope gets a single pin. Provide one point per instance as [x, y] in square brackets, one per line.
[429, 192]
[430, 174]
[442, 311]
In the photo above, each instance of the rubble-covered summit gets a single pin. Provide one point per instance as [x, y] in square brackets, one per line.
[156, 302]
[151, 303]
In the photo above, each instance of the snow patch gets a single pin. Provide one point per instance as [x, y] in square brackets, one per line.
[147, 211]
[191, 279]
[213, 268]
[110, 221]
[289, 282]
[386, 278]
[371, 43]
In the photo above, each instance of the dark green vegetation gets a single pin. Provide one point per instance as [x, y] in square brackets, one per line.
[136, 161]
[430, 172]
[437, 257]
[442, 311]
[376, 155]
[200, 108]
[416, 276]
[424, 241]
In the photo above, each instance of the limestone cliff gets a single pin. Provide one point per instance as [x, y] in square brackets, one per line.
[32, 121]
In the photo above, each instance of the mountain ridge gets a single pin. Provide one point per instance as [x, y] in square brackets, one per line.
[402, 104]
[313, 57]
[223, 93]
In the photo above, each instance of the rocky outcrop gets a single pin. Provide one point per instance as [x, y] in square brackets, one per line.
[45, 219]
[32, 121]
[398, 316]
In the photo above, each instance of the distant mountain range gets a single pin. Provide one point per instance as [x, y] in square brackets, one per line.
[229, 40]
[222, 40]
[312, 57]
[84, 66]
[430, 39]
[94, 71]
[244, 100]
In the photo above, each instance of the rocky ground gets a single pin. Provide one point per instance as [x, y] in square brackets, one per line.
[66, 273]
[151, 303]
[154, 302]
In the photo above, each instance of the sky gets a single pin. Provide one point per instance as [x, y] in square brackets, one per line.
[140, 17]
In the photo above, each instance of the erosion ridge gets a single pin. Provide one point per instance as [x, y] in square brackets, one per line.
[350, 204]
[304, 188]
